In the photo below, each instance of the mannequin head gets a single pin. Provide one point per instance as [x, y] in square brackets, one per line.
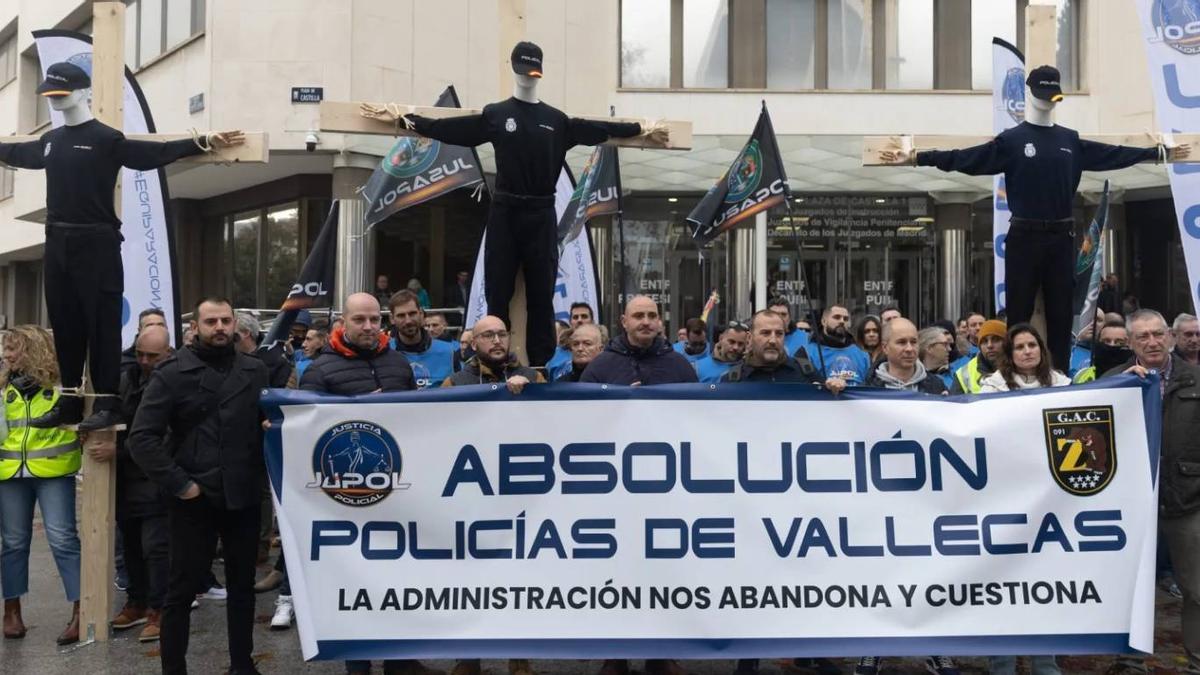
[527, 68]
[76, 98]
[1044, 92]
[68, 88]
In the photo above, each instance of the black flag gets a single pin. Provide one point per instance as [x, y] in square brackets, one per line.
[754, 182]
[597, 193]
[418, 169]
[314, 288]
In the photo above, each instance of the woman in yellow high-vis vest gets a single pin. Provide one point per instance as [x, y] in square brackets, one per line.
[37, 466]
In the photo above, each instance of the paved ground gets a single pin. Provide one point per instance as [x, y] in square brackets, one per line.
[46, 612]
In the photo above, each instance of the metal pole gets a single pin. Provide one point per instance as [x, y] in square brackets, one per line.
[760, 261]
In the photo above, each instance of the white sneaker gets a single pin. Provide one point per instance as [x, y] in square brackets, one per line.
[196, 603]
[215, 593]
[283, 613]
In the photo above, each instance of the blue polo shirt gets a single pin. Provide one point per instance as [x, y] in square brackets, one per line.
[432, 366]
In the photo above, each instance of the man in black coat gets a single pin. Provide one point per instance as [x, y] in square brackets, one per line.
[640, 355]
[141, 506]
[1179, 468]
[767, 359]
[197, 435]
[359, 360]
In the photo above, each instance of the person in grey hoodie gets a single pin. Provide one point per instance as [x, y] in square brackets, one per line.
[901, 369]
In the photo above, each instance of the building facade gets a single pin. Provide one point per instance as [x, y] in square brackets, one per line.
[831, 71]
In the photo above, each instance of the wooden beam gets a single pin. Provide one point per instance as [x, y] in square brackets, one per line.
[873, 145]
[256, 149]
[99, 508]
[344, 118]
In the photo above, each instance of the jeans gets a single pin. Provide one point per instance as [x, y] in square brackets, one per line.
[194, 525]
[146, 558]
[1007, 665]
[57, 499]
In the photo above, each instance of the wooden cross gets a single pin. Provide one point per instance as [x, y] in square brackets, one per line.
[98, 510]
[1040, 48]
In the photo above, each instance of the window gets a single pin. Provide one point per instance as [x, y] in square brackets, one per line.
[155, 27]
[8, 60]
[989, 19]
[791, 45]
[849, 30]
[1067, 52]
[6, 183]
[909, 44]
[645, 54]
[706, 43]
[263, 249]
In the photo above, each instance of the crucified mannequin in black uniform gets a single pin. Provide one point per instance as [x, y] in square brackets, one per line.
[83, 271]
[531, 140]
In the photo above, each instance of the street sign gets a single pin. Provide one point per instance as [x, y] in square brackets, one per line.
[308, 94]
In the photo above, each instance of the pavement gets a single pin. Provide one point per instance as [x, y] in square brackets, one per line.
[46, 611]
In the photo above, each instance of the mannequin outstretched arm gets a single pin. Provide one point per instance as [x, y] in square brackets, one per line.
[145, 155]
[591, 132]
[1095, 156]
[467, 131]
[28, 155]
[980, 160]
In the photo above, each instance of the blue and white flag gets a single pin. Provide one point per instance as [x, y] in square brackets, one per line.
[1008, 110]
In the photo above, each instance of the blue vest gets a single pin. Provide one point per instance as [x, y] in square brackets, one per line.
[849, 363]
[1081, 357]
[795, 341]
[432, 366]
[558, 364]
[710, 370]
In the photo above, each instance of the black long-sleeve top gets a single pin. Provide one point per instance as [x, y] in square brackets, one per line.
[531, 140]
[82, 163]
[1041, 165]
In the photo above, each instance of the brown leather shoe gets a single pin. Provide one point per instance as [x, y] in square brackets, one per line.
[273, 580]
[131, 615]
[151, 630]
[614, 667]
[70, 634]
[14, 627]
[466, 667]
[520, 667]
[664, 667]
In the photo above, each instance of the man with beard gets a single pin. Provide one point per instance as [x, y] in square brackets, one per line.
[197, 436]
[991, 336]
[767, 361]
[432, 360]
[795, 338]
[493, 363]
[695, 344]
[726, 353]
[832, 349]
[640, 355]
[586, 344]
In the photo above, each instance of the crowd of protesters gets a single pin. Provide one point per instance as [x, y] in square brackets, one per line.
[191, 476]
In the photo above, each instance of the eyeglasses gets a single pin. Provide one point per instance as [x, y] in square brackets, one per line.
[737, 325]
[493, 336]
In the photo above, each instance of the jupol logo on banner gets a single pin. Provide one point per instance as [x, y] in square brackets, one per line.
[1177, 24]
[1081, 447]
[357, 464]
[1014, 94]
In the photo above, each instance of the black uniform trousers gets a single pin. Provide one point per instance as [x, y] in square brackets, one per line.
[84, 280]
[523, 231]
[194, 526]
[1041, 254]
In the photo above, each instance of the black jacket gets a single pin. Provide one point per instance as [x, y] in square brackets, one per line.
[350, 371]
[137, 495]
[196, 423]
[1179, 452]
[279, 368]
[475, 372]
[571, 375]
[622, 363]
[792, 370]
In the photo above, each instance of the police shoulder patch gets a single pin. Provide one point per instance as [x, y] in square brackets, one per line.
[1081, 448]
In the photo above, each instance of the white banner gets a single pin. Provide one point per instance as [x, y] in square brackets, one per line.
[651, 522]
[146, 251]
[576, 280]
[1173, 53]
[1008, 110]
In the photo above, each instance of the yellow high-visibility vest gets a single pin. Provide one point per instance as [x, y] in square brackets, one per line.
[46, 453]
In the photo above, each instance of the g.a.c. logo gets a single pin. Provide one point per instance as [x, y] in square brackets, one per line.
[744, 175]
[1013, 94]
[1177, 24]
[410, 157]
[357, 464]
[1080, 448]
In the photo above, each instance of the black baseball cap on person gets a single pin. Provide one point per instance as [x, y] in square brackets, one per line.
[527, 59]
[1043, 83]
[62, 79]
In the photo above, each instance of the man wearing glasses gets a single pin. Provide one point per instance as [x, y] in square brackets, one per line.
[934, 345]
[492, 362]
[1186, 331]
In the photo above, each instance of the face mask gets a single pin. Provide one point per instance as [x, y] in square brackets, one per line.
[297, 343]
[1105, 357]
